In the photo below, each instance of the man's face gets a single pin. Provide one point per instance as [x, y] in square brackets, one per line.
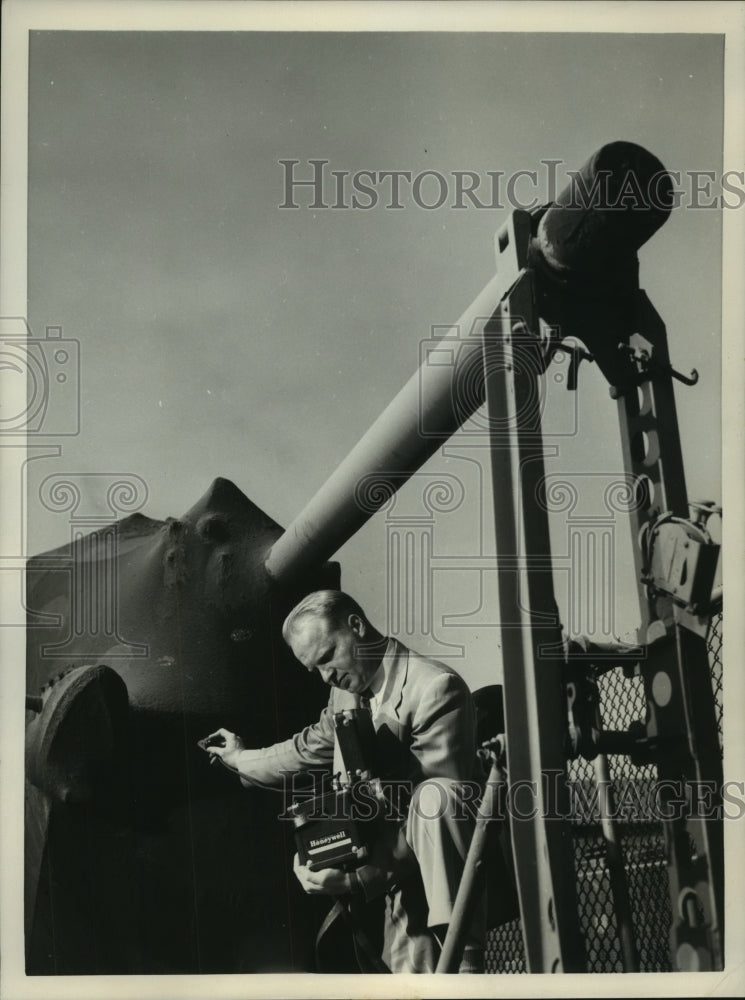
[334, 651]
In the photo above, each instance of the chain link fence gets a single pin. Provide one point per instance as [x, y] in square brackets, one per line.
[621, 702]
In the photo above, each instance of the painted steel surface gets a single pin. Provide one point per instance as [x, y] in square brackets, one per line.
[164, 865]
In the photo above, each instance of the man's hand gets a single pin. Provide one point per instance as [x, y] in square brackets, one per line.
[327, 882]
[227, 750]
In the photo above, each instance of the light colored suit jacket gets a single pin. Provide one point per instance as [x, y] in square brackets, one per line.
[425, 727]
[425, 724]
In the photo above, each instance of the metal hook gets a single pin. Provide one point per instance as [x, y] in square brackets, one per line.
[648, 365]
[576, 354]
[691, 379]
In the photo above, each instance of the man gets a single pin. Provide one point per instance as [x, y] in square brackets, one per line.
[424, 719]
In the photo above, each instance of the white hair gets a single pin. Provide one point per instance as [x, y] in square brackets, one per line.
[332, 606]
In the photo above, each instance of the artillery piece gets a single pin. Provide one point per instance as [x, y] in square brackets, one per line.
[141, 874]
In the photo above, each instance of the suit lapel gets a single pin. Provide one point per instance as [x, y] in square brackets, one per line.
[396, 679]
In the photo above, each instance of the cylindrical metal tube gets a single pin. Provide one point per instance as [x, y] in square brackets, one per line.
[611, 206]
[616, 867]
[435, 401]
[583, 234]
[472, 881]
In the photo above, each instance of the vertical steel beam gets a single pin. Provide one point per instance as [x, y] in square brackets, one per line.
[531, 639]
[681, 728]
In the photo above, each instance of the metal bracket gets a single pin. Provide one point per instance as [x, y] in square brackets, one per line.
[680, 559]
[640, 353]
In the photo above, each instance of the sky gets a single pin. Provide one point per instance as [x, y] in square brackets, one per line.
[222, 335]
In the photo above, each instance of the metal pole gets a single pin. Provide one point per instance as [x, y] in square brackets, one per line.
[471, 883]
[616, 868]
[430, 407]
[577, 236]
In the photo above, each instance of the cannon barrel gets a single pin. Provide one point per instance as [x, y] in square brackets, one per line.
[429, 408]
[611, 206]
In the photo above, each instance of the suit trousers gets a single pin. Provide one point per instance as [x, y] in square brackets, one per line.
[438, 833]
